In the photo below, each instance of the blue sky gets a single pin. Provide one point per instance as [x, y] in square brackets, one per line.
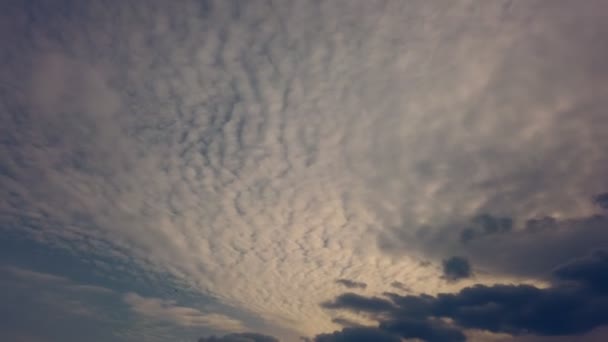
[326, 170]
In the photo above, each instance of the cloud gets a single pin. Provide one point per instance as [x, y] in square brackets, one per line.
[169, 311]
[40, 306]
[602, 200]
[456, 268]
[400, 286]
[351, 284]
[429, 330]
[31, 277]
[357, 302]
[591, 271]
[241, 337]
[21, 337]
[486, 225]
[538, 245]
[522, 248]
[256, 151]
[345, 322]
[357, 335]
[562, 309]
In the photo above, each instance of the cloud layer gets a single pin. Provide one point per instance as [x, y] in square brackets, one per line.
[258, 151]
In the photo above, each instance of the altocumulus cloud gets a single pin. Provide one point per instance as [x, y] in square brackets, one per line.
[257, 151]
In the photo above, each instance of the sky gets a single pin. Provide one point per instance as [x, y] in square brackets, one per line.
[303, 170]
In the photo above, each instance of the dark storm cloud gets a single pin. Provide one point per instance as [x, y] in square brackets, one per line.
[456, 268]
[576, 303]
[239, 337]
[351, 284]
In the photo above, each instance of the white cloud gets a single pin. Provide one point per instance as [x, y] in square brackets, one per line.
[256, 152]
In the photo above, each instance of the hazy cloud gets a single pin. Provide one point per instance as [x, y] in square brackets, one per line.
[563, 309]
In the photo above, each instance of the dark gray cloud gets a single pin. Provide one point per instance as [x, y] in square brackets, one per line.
[590, 271]
[351, 284]
[345, 322]
[569, 308]
[456, 268]
[239, 337]
[400, 286]
[252, 150]
[540, 244]
[602, 200]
